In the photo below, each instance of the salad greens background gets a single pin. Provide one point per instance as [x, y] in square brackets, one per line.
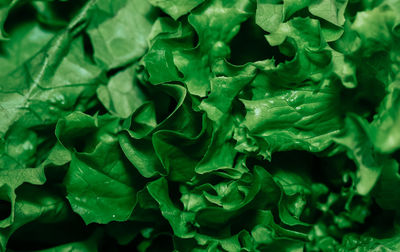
[200, 125]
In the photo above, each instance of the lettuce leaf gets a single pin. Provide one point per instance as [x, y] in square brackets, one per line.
[199, 125]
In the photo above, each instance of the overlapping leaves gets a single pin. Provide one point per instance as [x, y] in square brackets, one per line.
[126, 124]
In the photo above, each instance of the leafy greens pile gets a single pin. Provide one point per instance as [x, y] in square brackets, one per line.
[200, 125]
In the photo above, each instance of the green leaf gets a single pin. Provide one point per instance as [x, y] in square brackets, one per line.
[329, 10]
[290, 7]
[164, 37]
[269, 16]
[360, 149]
[213, 38]
[259, 191]
[137, 143]
[387, 186]
[176, 8]
[180, 153]
[50, 83]
[123, 95]
[305, 118]
[224, 89]
[128, 125]
[129, 41]
[385, 135]
[179, 221]
[5, 8]
[32, 204]
[113, 200]
[101, 163]
[30, 36]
